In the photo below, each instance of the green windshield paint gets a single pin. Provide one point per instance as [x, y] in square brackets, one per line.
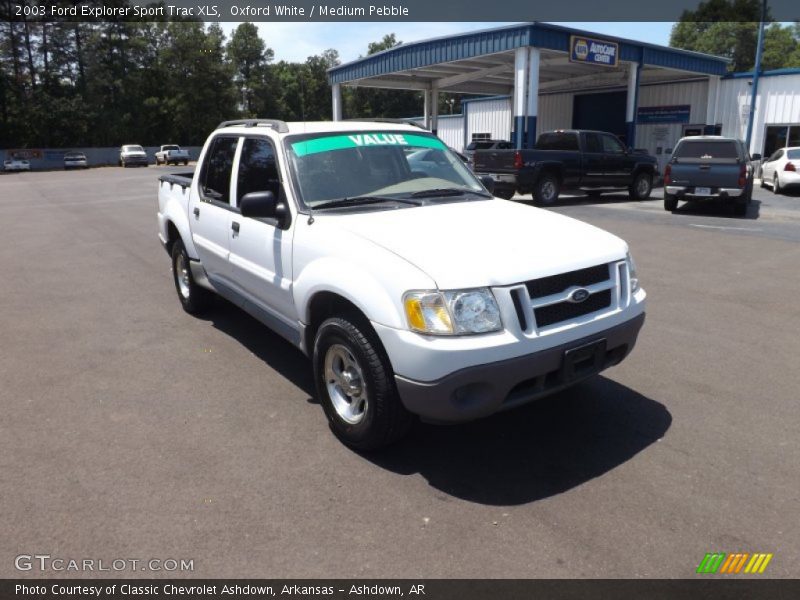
[359, 140]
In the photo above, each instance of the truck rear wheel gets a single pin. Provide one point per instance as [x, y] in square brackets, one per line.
[670, 202]
[355, 384]
[194, 299]
[546, 189]
[641, 186]
[504, 194]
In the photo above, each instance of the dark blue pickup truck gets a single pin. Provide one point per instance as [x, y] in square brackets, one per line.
[591, 161]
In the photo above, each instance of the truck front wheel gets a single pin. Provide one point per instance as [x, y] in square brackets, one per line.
[194, 299]
[641, 186]
[355, 384]
[547, 189]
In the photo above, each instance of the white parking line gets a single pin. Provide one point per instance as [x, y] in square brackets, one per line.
[724, 227]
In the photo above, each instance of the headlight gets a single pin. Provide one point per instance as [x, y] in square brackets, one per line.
[634, 276]
[454, 312]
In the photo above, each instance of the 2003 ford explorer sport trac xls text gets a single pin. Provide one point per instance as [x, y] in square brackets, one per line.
[413, 290]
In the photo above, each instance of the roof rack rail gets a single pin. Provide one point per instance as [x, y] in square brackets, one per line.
[276, 124]
[388, 120]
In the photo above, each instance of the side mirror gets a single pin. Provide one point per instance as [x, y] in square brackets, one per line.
[488, 183]
[259, 205]
[756, 156]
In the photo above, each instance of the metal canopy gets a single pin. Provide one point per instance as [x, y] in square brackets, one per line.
[483, 63]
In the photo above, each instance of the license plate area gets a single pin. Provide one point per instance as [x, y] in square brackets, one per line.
[702, 191]
[583, 360]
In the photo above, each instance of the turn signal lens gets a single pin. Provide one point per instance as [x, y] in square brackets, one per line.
[668, 175]
[426, 313]
[790, 167]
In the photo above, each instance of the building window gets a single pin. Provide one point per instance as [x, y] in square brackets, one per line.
[481, 136]
[780, 136]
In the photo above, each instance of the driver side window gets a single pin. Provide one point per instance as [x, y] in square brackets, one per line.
[258, 169]
[611, 145]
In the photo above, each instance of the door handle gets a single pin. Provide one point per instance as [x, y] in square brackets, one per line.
[196, 212]
[235, 227]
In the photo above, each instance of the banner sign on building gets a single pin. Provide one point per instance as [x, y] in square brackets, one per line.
[594, 52]
[663, 114]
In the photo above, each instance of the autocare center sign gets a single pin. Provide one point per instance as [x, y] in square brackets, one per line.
[594, 52]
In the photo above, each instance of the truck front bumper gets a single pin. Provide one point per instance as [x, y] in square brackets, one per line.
[481, 390]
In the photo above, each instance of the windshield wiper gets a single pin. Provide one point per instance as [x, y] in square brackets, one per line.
[360, 200]
[442, 192]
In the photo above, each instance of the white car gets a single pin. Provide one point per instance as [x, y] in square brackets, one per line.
[17, 164]
[782, 169]
[132, 154]
[413, 292]
[75, 160]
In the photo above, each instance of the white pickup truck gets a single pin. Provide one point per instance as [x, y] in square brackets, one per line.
[172, 153]
[412, 290]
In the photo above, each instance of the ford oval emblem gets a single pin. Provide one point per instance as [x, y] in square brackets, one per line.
[578, 295]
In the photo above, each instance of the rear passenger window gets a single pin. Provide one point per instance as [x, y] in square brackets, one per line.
[258, 168]
[593, 143]
[215, 181]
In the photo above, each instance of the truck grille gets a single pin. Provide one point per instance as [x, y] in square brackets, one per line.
[547, 296]
[563, 311]
[539, 288]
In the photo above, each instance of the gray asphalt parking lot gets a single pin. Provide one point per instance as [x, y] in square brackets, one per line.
[132, 430]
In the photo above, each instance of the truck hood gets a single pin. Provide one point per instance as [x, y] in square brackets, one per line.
[485, 243]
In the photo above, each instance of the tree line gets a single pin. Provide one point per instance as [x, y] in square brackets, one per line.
[85, 84]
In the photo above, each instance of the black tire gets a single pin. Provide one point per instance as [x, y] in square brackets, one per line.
[505, 194]
[379, 418]
[122, 163]
[186, 162]
[641, 186]
[193, 298]
[546, 190]
[776, 185]
[740, 209]
[670, 202]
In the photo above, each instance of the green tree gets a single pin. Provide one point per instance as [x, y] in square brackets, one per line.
[729, 28]
[250, 56]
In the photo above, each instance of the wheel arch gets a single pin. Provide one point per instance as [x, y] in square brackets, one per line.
[325, 304]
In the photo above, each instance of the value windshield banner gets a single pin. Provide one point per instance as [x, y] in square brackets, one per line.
[360, 140]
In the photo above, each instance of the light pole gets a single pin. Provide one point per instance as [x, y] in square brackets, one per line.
[756, 71]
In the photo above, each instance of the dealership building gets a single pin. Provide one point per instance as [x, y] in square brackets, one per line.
[536, 77]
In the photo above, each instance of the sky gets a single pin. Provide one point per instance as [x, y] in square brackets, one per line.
[294, 42]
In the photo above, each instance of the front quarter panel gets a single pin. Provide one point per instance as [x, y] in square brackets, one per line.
[331, 259]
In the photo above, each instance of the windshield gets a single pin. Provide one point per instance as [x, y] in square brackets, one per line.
[132, 149]
[170, 148]
[77, 155]
[391, 165]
